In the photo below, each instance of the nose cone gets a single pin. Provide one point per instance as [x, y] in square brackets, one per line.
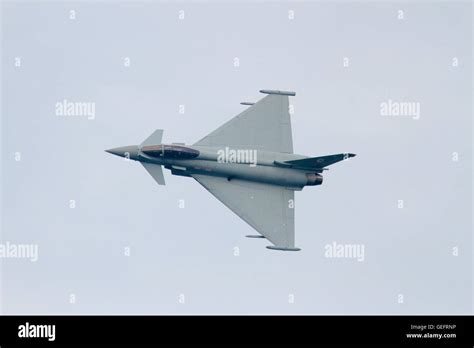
[125, 151]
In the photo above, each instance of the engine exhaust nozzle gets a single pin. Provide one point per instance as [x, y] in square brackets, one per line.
[314, 179]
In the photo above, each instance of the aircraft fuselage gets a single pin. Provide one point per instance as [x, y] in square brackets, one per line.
[243, 164]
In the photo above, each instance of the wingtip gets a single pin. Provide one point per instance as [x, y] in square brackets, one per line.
[273, 247]
[278, 92]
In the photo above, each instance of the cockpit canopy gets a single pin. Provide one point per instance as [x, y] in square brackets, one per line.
[170, 151]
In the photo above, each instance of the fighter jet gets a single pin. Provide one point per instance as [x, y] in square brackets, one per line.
[247, 163]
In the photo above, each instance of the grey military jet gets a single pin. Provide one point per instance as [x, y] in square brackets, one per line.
[247, 163]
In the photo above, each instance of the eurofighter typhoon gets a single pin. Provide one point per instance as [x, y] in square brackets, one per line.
[247, 163]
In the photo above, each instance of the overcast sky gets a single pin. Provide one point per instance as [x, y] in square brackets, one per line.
[406, 197]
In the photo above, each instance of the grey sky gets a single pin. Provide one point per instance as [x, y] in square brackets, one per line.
[190, 62]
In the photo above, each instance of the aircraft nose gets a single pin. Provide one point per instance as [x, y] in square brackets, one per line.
[125, 151]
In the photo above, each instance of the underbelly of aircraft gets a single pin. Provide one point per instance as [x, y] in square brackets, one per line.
[265, 174]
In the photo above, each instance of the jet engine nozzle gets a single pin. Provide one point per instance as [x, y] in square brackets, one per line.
[314, 179]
